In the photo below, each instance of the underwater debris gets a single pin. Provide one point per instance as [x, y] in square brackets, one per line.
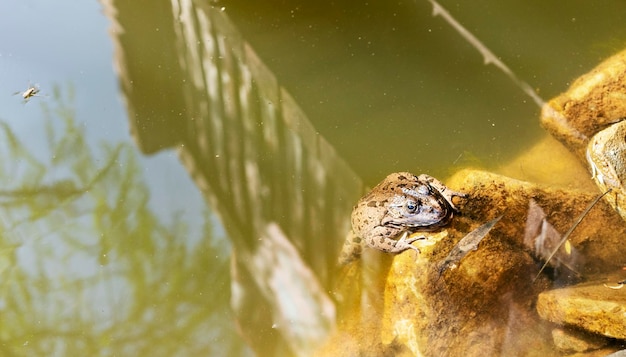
[569, 232]
[543, 239]
[468, 243]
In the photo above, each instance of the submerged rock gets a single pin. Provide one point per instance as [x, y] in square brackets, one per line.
[485, 306]
[573, 340]
[597, 238]
[593, 102]
[595, 308]
[485, 303]
[588, 119]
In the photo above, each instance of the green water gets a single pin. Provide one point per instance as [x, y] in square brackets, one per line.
[389, 82]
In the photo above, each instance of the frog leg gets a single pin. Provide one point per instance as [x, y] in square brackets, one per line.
[405, 241]
[389, 245]
[351, 249]
[445, 191]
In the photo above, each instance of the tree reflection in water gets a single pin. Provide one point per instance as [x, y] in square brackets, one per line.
[88, 269]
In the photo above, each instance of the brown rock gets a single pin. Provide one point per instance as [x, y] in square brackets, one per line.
[591, 307]
[594, 101]
[573, 340]
[598, 237]
[588, 120]
[486, 305]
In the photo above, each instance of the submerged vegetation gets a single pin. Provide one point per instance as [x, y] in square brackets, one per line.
[87, 269]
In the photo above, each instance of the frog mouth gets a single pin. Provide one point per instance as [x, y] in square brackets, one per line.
[418, 222]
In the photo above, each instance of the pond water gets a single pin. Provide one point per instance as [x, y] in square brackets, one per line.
[392, 83]
[182, 183]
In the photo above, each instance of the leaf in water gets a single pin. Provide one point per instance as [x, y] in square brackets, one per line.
[467, 244]
[543, 239]
[567, 234]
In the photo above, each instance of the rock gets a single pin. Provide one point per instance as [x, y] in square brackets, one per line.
[594, 101]
[480, 308]
[572, 340]
[559, 168]
[588, 120]
[484, 307]
[489, 195]
[590, 307]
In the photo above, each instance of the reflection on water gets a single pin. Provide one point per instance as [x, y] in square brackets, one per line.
[87, 269]
[282, 193]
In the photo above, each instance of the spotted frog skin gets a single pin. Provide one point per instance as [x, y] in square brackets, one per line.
[398, 206]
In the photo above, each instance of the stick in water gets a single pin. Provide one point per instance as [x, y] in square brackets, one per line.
[488, 56]
[569, 232]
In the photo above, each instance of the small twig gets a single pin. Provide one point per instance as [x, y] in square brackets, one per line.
[569, 232]
[488, 56]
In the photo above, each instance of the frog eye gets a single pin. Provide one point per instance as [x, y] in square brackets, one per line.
[411, 206]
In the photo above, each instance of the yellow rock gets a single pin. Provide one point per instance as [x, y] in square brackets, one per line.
[594, 101]
[594, 308]
[549, 162]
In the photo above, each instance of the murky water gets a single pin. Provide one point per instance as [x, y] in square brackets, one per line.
[214, 226]
[394, 84]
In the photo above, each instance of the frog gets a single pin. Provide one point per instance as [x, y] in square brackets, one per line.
[606, 156]
[401, 204]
